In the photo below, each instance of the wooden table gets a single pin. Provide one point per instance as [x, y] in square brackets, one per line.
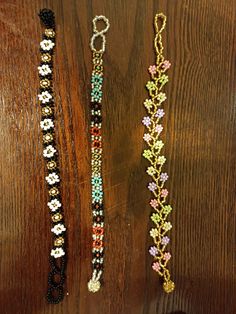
[200, 130]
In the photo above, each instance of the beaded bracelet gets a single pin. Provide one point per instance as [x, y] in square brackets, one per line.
[96, 155]
[153, 155]
[56, 276]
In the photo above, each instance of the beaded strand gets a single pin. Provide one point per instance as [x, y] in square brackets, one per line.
[161, 210]
[56, 275]
[94, 283]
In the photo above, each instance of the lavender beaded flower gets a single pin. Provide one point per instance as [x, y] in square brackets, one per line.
[146, 121]
[165, 240]
[153, 251]
[152, 186]
[160, 113]
[164, 177]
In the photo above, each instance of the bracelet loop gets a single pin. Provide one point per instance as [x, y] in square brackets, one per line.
[100, 18]
[100, 33]
[96, 35]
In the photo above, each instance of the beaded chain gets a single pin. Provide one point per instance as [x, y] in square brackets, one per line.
[56, 276]
[161, 209]
[94, 283]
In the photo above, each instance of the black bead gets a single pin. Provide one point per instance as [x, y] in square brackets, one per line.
[51, 278]
[97, 254]
[58, 266]
[55, 294]
[47, 18]
[96, 119]
[97, 266]
[97, 206]
[98, 218]
[96, 106]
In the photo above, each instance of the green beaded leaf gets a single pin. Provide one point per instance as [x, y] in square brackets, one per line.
[96, 94]
[155, 218]
[167, 209]
[163, 79]
[151, 86]
[97, 80]
[147, 153]
[96, 180]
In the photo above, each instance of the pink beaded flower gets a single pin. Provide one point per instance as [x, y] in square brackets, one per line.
[164, 192]
[167, 256]
[159, 128]
[147, 137]
[154, 203]
[152, 69]
[166, 65]
[156, 266]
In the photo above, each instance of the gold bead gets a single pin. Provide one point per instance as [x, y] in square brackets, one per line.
[46, 57]
[46, 111]
[97, 61]
[49, 32]
[51, 165]
[168, 286]
[45, 83]
[47, 138]
[97, 55]
[57, 217]
[53, 191]
[96, 156]
[59, 241]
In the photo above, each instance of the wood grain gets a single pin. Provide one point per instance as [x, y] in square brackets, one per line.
[200, 132]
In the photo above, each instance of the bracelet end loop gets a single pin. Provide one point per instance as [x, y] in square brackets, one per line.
[160, 17]
[169, 286]
[94, 285]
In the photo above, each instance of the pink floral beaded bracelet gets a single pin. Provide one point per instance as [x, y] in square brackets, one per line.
[152, 122]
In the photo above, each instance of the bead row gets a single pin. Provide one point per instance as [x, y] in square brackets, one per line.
[50, 153]
[153, 155]
[96, 176]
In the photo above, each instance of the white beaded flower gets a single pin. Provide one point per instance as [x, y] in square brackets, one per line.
[161, 160]
[151, 171]
[154, 233]
[46, 124]
[54, 204]
[45, 97]
[148, 103]
[58, 252]
[58, 229]
[158, 144]
[52, 178]
[49, 151]
[167, 226]
[47, 44]
[44, 69]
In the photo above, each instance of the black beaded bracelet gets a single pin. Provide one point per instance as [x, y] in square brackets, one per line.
[56, 277]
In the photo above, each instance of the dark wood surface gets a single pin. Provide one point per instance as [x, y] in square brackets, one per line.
[200, 132]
